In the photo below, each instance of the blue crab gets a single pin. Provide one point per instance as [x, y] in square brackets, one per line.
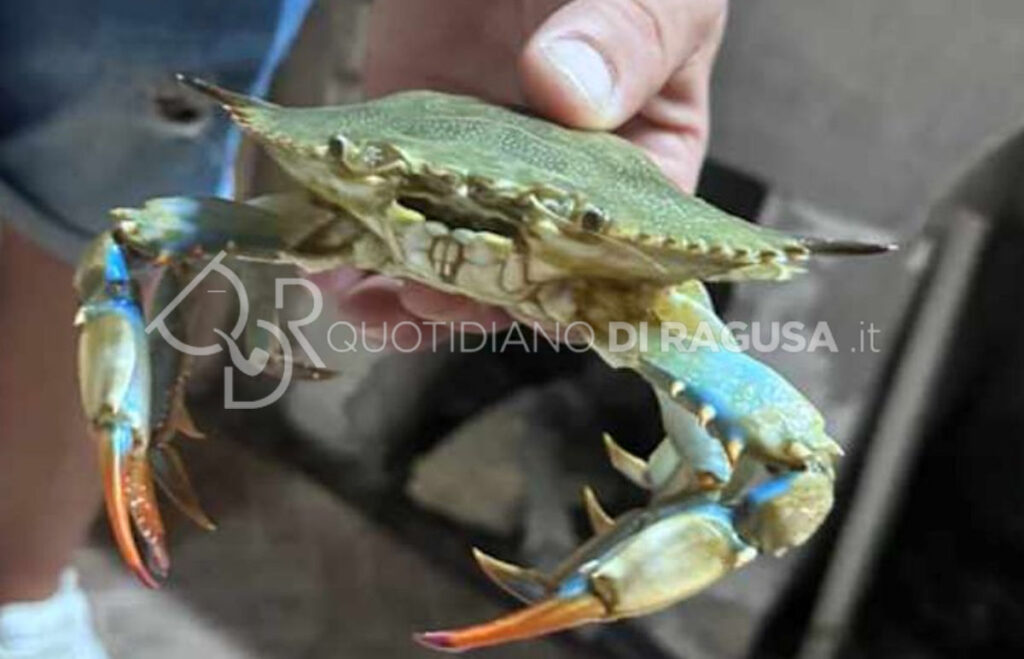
[551, 224]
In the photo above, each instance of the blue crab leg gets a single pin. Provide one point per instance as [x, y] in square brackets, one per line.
[741, 402]
[285, 229]
[746, 468]
[170, 417]
[265, 347]
[648, 559]
[116, 358]
[114, 377]
[744, 411]
[170, 367]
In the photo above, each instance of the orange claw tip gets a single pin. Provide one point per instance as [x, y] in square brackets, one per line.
[144, 575]
[120, 524]
[441, 641]
[116, 470]
[546, 617]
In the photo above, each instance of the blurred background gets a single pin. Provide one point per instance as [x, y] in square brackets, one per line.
[347, 510]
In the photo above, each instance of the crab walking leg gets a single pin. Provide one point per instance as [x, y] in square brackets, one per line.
[688, 460]
[114, 378]
[264, 348]
[169, 416]
[115, 363]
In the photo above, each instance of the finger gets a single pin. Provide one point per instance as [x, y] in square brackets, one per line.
[673, 127]
[435, 306]
[459, 46]
[595, 63]
[403, 314]
[338, 280]
[375, 302]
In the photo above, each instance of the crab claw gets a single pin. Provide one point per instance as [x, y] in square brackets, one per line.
[545, 617]
[647, 560]
[131, 505]
[523, 584]
[114, 381]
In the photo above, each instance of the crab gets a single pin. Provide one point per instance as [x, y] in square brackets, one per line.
[556, 226]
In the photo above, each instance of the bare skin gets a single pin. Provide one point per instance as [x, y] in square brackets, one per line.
[49, 485]
[658, 55]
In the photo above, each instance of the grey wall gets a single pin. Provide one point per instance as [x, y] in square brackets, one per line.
[868, 107]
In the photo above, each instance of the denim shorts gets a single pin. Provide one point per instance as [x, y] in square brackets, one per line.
[90, 117]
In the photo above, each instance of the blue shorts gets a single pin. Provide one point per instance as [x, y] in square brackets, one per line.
[91, 119]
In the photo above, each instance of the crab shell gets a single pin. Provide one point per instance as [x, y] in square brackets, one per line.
[591, 203]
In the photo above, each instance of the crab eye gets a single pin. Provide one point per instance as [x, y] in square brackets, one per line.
[593, 220]
[336, 146]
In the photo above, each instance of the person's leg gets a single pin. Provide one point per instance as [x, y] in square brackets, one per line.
[49, 485]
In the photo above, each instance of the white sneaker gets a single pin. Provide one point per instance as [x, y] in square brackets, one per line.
[59, 627]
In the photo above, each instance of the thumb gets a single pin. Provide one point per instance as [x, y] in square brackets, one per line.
[595, 63]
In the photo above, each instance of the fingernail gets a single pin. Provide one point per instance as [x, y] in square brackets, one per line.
[584, 67]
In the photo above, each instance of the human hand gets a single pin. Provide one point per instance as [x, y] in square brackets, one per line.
[639, 67]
